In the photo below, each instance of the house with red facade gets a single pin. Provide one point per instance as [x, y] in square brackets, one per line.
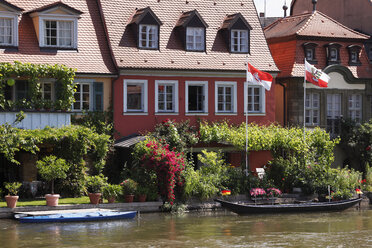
[333, 48]
[52, 32]
[186, 60]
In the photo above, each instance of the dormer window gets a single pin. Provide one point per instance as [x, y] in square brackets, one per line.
[145, 25]
[191, 29]
[57, 26]
[354, 52]
[239, 41]
[333, 53]
[309, 50]
[148, 37]
[236, 31]
[9, 24]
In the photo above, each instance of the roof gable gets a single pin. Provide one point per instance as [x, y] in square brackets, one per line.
[10, 7]
[56, 8]
[191, 18]
[314, 24]
[144, 16]
[235, 21]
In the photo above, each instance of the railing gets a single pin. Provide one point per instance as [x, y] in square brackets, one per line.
[37, 120]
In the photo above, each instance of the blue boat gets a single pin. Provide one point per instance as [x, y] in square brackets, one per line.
[79, 216]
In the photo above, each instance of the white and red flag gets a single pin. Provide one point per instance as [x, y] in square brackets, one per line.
[316, 76]
[256, 76]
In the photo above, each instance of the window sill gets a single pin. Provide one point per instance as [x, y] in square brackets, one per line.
[58, 49]
[255, 114]
[135, 113]
[196, 113]
[166, 113]
[225, 113]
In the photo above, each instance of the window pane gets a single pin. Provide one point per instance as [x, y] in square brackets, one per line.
[195, 98]
[134, 97]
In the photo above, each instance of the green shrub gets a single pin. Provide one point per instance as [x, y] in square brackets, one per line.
[112, 190]
[368, 179]
[129, 186]
[95, 184]
[50, 168]
[12, 187]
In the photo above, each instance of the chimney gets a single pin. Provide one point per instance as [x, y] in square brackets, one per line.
[314, 5]
[285, 7]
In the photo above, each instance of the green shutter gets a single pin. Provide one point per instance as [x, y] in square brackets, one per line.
[98, 96]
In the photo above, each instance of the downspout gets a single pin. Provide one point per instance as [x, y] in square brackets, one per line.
[284, 103]
[103, 20]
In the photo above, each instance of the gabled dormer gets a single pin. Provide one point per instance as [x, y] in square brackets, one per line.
[146, 27]
[236, 31]
[309, 51]
[333, 53]
[354, 51]
[192, 30]
[56, 26]
[9, 14]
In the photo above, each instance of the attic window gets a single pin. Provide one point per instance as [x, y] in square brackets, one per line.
[9, 24]
[57, 26]
[145, 25]
[192, 31]
[333, 53]
[310, 54]
[354, 52]
[236, 31]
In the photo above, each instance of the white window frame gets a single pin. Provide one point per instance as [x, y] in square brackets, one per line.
[354, 105]
[14, 25]
[82, 82]
[144, 97]
[233, 96]
[262, 100]
[204, 84]
[311, 108]
[239, 40]
[148, 29]
[173, 83]
[191, 32]
[51, 17]
[42, 85]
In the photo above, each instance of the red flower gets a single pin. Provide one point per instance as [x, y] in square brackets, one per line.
[368, 148]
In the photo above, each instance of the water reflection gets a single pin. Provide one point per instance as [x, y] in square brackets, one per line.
[211, 229]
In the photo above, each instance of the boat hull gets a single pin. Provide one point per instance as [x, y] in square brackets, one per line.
[78, 217]
[288, 208]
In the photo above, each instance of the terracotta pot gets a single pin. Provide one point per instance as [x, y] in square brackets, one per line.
[94, 198]
[11, 200]
[52, 200]
[128, 198]
[142, 198]
[111, 199]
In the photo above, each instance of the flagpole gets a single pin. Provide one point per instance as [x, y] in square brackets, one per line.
[304, 106]
[246, 124]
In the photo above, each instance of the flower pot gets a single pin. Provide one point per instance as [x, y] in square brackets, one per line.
[52, 200]
[94, 198]
[141, 198]
[111, 199]
[128, 198]
[11, 200]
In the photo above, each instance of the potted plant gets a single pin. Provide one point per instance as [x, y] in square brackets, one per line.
[50, 168]
[142, 192]
[94, 185]
[111, 192]
[129, 189]
[48, 104]
[12, 197]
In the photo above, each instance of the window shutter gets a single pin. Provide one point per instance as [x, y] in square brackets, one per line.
[98, 96]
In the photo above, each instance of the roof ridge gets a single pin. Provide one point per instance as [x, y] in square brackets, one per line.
[307, 23]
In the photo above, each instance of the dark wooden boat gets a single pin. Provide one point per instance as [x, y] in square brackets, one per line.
[80, 216]
[240, 208]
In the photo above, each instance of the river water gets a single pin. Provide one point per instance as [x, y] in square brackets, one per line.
[199, 229]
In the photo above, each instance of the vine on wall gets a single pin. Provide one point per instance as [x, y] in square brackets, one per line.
[33, 73]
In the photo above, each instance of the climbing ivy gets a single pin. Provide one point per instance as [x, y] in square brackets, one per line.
[33, 73]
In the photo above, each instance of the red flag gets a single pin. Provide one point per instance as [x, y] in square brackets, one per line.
[257, 76]
[316, 76]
